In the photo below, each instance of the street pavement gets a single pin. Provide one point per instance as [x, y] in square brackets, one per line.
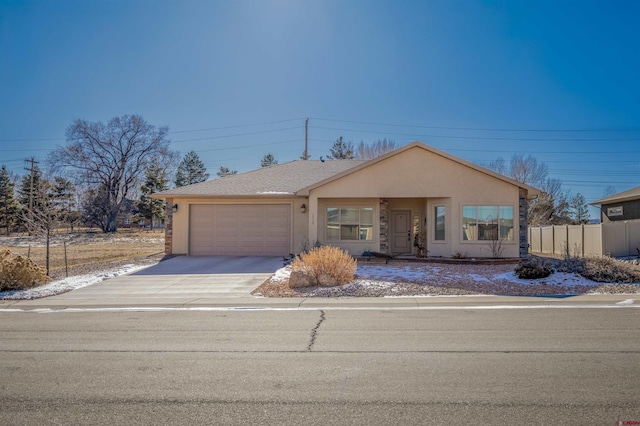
[165, 346]
[321, 366]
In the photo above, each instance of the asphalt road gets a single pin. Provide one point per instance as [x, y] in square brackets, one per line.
[519, 366]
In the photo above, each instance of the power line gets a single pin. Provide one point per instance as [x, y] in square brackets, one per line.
[483, 137]
[628, 129]
[238, 126]
[237, 134]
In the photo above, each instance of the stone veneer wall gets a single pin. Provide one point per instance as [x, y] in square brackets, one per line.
[384, 225]
[524, 219]
[168, 226]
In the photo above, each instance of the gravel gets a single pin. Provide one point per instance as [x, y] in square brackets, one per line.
[404, 279]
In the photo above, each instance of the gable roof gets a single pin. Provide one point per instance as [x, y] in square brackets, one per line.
[280, 180]
[298, 178]
[629, 195]
[532, 192]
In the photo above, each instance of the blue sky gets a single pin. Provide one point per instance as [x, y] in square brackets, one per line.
[479, 79]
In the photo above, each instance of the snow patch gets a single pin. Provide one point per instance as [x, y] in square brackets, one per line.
[68, 284]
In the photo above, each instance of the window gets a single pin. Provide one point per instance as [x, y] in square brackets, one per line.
[350, 224]
[439, 230]
[481, 223]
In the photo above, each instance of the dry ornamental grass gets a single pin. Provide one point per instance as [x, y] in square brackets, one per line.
[326, 265]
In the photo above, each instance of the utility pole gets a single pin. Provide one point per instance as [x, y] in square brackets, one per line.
[306, 139]
[31, 170]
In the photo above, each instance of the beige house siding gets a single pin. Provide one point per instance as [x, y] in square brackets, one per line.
[440, 180]
[180, 219]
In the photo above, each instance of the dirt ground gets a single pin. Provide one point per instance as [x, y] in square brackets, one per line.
[87, 250]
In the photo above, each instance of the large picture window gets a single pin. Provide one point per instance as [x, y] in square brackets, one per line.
[349, 224]
[481, 223]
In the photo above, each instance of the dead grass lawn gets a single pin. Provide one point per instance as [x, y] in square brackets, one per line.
[84, 248]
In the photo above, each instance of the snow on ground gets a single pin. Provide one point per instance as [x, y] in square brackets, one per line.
[420, 279]
[68, 284]
[561, 279]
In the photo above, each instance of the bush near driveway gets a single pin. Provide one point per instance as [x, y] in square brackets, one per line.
[322, 266]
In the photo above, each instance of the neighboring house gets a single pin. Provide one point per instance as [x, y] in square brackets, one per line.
[381, 205]
[622, 206]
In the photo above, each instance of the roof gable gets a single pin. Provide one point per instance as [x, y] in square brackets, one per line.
[531, 190]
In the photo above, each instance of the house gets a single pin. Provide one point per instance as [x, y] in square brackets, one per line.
[384, 205]
[622, 206]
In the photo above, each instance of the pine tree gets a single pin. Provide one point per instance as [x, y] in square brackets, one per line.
[64, 196]
[341, 150]
[579, 209]
[191, 170]
[224, 171]
[8, 203]
[155, 181]
[268, 160]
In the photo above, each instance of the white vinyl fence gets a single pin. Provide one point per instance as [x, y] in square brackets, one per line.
[611, 239]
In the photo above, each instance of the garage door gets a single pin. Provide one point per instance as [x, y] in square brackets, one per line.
[240, 229]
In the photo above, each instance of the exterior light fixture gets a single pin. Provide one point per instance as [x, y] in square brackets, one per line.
[303, 208]
[174, 208]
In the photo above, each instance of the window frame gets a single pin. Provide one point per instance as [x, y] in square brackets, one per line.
[435, 223]
[360, 225]
[498, 221]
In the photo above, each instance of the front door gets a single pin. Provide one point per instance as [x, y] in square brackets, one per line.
[400, 231]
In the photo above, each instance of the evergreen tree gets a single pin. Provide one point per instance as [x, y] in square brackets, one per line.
[268, 160]
[155, 181]
[190, 170]
[224, 171]
[579, 209]
[341, 150]
[8, 203]
[64, 196]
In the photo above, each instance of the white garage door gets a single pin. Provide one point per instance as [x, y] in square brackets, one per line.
[240, 229]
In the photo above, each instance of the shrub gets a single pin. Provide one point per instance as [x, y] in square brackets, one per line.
[19, 272]
[326, 266]
[608, 270]
[532, 268]
[460, 255]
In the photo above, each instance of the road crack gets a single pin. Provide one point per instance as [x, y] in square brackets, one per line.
[314, 331]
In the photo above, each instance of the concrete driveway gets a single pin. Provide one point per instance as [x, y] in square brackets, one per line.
[183, 279]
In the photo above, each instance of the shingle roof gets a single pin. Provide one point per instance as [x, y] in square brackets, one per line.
[278, 180]
[629, 195]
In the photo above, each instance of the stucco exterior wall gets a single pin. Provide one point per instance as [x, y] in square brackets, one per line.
[180, 219]
[420, 174]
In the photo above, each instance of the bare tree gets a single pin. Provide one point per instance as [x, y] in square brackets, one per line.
[376, 149]
[110, 158]
[609, 191]
[551, 207]
[524, 169]
[43, 219]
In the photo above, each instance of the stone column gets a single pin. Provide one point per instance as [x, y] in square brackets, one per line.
[168, 226]
[523, 206]
[384, 225]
